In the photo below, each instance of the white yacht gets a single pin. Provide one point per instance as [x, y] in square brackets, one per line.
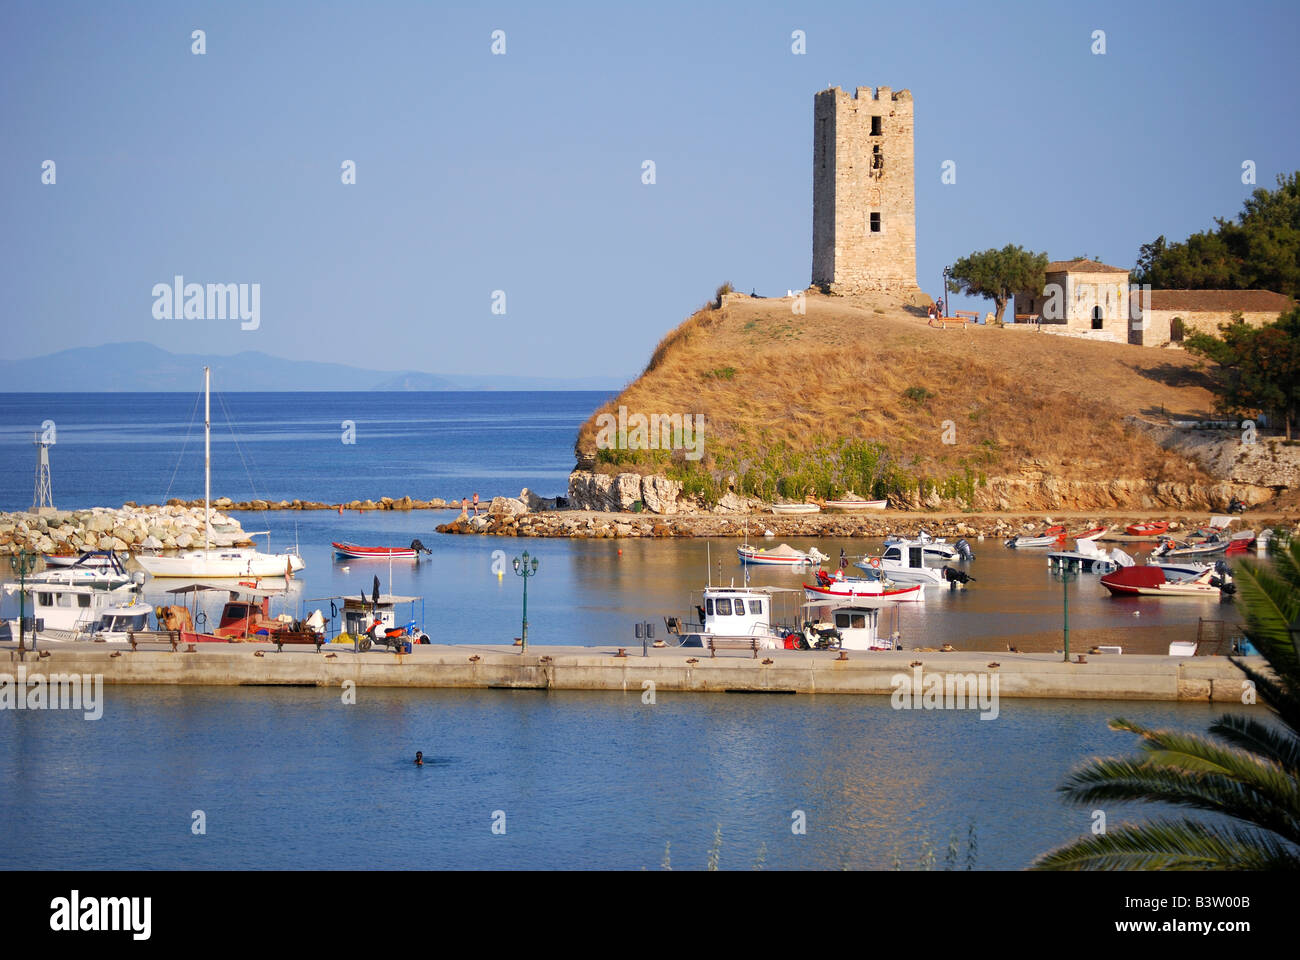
[209, 563]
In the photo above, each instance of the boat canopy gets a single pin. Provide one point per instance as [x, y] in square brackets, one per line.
[385, 599]
[204, 586]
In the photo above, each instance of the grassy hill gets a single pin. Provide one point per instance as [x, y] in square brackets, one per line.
[861, 395]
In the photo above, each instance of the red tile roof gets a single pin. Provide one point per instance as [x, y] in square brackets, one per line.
[1082, 266]
[1220, 301]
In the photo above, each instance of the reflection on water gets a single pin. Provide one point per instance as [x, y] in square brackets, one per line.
[586, 592]
[292, 778]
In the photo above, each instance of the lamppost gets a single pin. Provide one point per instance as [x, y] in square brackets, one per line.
[1067, 574]
[525, 568]
[22, 564]
[947, 272]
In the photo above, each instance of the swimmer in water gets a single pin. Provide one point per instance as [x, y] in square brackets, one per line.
[419, 758]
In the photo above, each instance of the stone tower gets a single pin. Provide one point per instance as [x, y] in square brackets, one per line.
[864, 191]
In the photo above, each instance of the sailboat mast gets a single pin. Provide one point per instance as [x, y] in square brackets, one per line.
[207, 457]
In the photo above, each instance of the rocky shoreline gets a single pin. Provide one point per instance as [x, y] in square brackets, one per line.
[585, 524]
[130, 527]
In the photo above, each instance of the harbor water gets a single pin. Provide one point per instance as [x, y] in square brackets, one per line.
[299, 778]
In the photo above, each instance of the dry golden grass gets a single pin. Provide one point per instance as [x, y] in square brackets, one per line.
[1017, 400]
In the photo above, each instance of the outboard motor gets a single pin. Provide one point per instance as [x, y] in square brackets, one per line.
[963, 549]
[417, 546]
[956, 578]
[1223, 581]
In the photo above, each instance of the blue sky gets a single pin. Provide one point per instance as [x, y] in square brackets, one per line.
[522, 172]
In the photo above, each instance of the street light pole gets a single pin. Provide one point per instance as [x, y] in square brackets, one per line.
[1066, 574]
[946, 272]
[524, 567]
[22, 563]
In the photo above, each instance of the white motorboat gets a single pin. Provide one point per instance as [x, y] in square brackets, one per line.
[106, 576]
[782, 556]
[1048, 538]
[88, 560]
[1089, 558]
[904, 563]
[960, 550]
[223, 562]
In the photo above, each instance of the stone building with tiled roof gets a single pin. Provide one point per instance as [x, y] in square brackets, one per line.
[1163, 317]
[1080, 297]
[1088, 299]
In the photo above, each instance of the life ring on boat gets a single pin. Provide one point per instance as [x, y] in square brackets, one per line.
[875, 562]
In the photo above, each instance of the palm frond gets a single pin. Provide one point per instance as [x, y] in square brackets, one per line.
[1270, 603]
[1280, 745]
[1172, 845]
[1273, 693]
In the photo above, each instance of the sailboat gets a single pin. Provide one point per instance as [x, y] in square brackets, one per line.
[221, 562]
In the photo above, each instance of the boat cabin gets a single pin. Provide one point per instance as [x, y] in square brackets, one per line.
[120, 622]
[909, 556]
[857, 623]
[69, 605]
[736, 611]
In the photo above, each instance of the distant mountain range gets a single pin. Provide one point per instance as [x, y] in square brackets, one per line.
[142, 367]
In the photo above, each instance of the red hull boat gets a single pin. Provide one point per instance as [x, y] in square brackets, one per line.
[1153, 530]
[352, 551]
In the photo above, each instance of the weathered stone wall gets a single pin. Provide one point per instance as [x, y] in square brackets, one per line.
[857, 173]
[1158, 327]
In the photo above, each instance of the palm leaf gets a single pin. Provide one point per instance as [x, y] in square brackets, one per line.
[1271, 604]
[1266, 740]
[1172, 845]
[1190, 771]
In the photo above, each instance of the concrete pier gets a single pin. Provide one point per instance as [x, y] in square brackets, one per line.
[1102, 677]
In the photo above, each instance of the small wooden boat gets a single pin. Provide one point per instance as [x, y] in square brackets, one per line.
[1050, 536]
[352, 551]
[853, 588]
[782, 556]
[1153, 529]
[1087, 535]
[854, 505]
[795, 508]
[1240, 542]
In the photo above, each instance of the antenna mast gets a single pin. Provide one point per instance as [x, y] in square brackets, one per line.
[43, 497]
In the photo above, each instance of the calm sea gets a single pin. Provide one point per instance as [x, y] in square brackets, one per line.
[294, 778]
[332, 447]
